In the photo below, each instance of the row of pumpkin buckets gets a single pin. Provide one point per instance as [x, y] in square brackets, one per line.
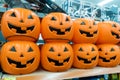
[92, 44]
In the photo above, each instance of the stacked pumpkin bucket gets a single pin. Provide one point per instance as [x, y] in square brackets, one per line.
[21, 28]
[80, 43]
[85, 51]
[109, 37]
[57, 31]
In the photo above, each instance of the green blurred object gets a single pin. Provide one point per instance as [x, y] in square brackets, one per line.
[113, 77]
[102, 79]
[118, 76]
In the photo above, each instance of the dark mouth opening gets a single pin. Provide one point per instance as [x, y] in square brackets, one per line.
[86, 60]
[57, 62]
[87, 33]
[59, 30]
[18, 29]
[104, 59]
[116, 35]
[18, 64]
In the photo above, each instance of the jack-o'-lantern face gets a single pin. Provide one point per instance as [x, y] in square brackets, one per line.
[20, 57]
[85, 55]
[57, 26]
[20, 24]
[86, 31]
[109, 32]
[109, 55]
[56, 56]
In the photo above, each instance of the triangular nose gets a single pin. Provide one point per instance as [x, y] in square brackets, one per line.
[87, 53]
[90, 27]
[21, 55]
[21, 21]
[61, 23]
[59, 55]
[106, 53]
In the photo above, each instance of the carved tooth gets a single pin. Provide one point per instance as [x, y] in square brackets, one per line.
[23, 62]
[84, 35]
[94, 34]
[115, 36]
[107, 58]
[54, 32]
[91, 32]
[52, 63]
[28, 64]
[112, 60]
[62, 30]
[66, 32]
[82, 61]
[13, 64]
[28, 31]
[14, 30]
[65, 63]
[60, 61]
[23, 28]
[89, 59]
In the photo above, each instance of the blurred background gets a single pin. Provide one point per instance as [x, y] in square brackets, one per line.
[95, 9]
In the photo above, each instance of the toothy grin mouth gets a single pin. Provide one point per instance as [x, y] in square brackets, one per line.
[88, 33]
[18, 64]
[104, 59]
[86, 60]
[58, 31]
[116, 35]
[57, 63]
[18, 29]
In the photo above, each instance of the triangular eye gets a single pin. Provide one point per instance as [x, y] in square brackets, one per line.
[13, 14]
[65, 49]
[30, 17]
[114, 25]
[13, 49]
[112, 49]
[53, 18]
[93, 49]
[80, 49]
[51, 49]
[82, 23]
[67, 19]
[30, 50]
[99, 49]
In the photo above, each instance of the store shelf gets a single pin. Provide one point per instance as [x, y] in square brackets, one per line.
[71, 73]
